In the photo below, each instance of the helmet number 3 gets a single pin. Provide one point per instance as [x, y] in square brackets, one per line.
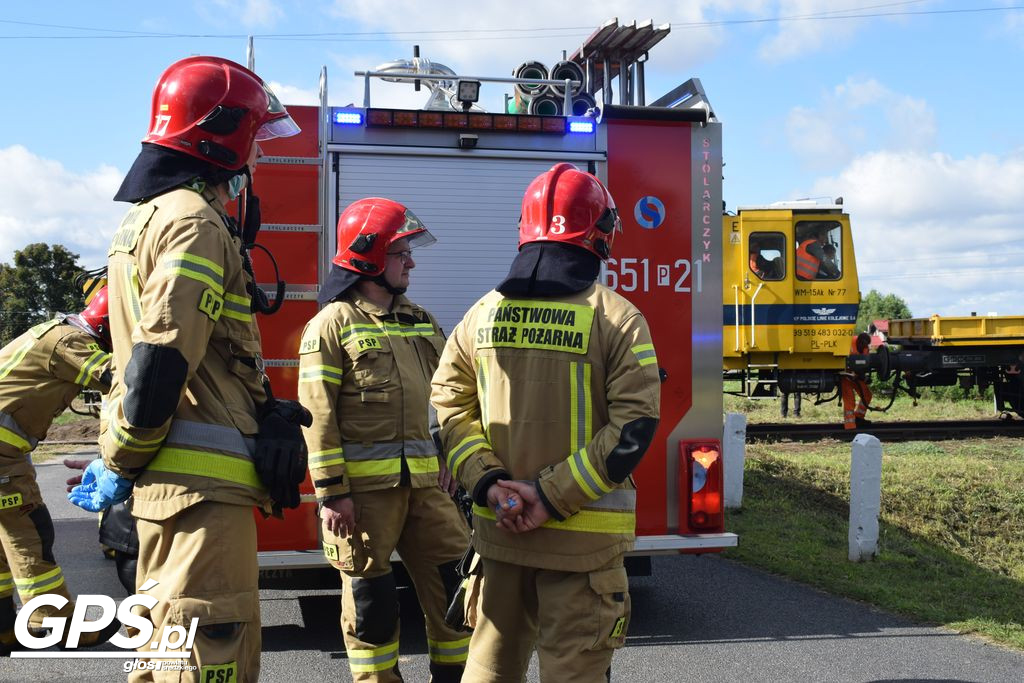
[557, 224]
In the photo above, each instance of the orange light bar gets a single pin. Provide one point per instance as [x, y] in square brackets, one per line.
[411, 118]
[553, 124]
[406, 118]
[378, 117]
[504, 122]
[431, 119]
[456, 121]
[530, 123]
[481, 121]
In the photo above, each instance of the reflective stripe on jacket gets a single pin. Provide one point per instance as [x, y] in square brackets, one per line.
[541, 389]
[176, 279]
[364, 374]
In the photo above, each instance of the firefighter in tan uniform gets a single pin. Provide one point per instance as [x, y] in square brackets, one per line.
[192, 432]
[548, 395]
[364, 372]
[41, 372]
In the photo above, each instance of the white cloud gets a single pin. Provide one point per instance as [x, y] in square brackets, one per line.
[859, 114]
[41, 201]
[941, 232]
[800, 35]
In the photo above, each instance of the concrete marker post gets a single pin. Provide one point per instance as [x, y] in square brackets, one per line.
[865, 497]
[734, 454]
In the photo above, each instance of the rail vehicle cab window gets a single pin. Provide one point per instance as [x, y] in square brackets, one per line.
[819, 250]
[767, 255]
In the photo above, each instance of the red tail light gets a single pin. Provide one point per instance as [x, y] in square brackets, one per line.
[702, 477]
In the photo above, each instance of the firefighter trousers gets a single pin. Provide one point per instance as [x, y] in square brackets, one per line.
[27, 564]
[204, 560]
[856, 398]
[430, 534]
[575, 620]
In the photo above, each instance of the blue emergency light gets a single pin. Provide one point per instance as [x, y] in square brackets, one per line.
[582, 125]
[349, 118]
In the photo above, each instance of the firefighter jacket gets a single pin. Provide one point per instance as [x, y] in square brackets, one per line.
[542, 389]
[364, 374]
[41, 372]
[178, 292]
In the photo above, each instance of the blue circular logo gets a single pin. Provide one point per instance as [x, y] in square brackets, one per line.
[649, 212]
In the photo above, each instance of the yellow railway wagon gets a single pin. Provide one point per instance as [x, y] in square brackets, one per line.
[1006, 330]
[790, 296]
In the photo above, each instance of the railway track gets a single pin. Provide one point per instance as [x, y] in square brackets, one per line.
[887, 431]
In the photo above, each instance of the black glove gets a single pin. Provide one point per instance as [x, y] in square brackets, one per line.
[280, 457]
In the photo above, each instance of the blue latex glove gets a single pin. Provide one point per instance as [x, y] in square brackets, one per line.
[100, 488]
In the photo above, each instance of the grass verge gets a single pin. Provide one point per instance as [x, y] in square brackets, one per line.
[951, 547]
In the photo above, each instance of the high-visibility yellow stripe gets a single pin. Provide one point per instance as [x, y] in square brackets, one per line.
[581, 480]
[645, 354]
[591, 521]
[206, 464]
[448, 651]
[197, 268]
[130, 285]
[377, 659]
[426, 465]
[237, 307]
[320, 373]
[13, 361]
[198, 260]
[471, 444]
[580, 409]
[331, 456]
[41, 583]
[9, 437]
[97, 358]
[244, 317]
[481, 390]
[594, 474]
[374, 468]
[126, 440]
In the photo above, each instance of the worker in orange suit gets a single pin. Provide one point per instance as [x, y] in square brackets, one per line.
[855, 389]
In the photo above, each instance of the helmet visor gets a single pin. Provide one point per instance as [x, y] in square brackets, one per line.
[280, 124]
[278, 128]
[414, 230]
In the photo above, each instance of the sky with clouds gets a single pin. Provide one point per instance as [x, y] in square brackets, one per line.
[910, 110]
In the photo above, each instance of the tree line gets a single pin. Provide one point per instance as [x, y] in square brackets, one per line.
[40, 281]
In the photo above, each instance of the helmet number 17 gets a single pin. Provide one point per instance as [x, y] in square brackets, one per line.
[160, 126]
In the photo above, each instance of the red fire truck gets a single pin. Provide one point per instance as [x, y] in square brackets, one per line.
[463, 172]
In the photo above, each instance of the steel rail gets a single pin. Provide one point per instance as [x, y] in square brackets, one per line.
[887, 431]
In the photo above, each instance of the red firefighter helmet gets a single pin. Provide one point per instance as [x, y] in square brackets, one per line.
[366, 229]
[570, 206]
[213, 109]
[96, 315]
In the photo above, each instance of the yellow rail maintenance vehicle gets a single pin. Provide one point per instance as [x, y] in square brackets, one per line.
[972, 351]
[790, 297]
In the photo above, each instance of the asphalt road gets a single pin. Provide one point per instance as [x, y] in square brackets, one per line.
[695, 619]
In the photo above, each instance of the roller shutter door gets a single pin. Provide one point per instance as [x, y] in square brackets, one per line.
[470, 204]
